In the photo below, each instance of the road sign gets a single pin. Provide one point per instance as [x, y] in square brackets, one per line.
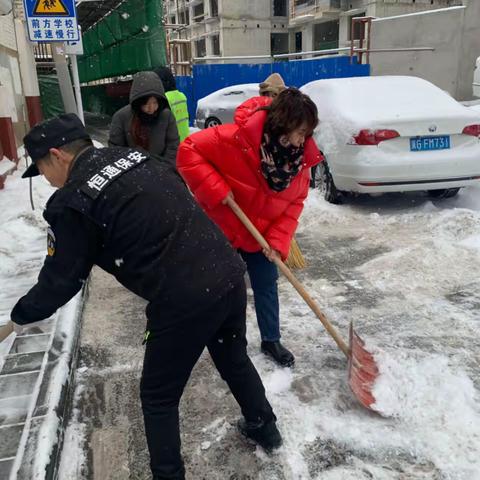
[51, 20]
[75, 47]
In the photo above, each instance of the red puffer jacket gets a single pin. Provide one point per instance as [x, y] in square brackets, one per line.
[218, 160]
[244, 111]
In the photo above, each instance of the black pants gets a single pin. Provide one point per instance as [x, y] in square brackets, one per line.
[173, 348]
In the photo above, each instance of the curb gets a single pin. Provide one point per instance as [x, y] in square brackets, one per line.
[49, 373]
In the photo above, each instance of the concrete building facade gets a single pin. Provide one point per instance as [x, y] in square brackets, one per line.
[225, 28]
[453, 34]
[325, 24]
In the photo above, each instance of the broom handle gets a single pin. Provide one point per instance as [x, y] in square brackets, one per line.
[291, 277]
[5, 331]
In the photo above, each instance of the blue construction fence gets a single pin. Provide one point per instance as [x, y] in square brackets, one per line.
[207, 79]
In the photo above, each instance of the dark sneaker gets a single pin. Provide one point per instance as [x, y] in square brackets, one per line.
[279, 353]
[264, 434]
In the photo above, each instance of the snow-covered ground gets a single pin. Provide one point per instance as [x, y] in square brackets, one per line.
[22, 240]
[405, 269]
[409, 279]
[35, 366]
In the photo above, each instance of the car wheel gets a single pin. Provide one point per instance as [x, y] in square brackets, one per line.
[443, 193]
[324, 180]
[212, 122]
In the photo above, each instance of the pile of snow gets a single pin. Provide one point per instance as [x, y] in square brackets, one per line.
[436, 408]
[429, 404]
[23, 242]
[6, 166]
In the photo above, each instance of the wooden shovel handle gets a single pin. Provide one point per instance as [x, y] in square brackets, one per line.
[5, 331]
[291, 277]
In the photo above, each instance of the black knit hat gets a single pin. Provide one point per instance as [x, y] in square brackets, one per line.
[52, 133]
[167, 78]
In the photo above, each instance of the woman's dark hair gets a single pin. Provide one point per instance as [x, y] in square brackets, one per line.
[289, 110]
[139, 102]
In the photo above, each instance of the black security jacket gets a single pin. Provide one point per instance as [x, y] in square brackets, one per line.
[133, 217]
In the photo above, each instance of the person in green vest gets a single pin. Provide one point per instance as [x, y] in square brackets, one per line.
[177, 101]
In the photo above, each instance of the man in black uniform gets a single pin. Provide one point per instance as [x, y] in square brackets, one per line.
[133, 216]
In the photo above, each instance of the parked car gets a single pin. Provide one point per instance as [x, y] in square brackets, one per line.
[393, 134]
[219, 107]
[476, 79]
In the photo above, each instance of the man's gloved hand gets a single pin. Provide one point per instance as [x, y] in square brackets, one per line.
[20, 329]
[11, 327]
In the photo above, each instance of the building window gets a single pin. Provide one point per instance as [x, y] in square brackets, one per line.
[198, 13]
[356, 33]
[298, 41]
[278, 43]
[325, 35]
[214, 8]
[216, 45]
[200, 48]
[279, 8]
[172, 19]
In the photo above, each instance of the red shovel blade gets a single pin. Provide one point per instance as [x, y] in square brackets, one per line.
[362, 370]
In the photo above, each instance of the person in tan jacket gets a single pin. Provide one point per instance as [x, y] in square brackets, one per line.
[272, 86]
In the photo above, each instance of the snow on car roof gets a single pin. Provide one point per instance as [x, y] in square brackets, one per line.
[248, 87]
[366, 101]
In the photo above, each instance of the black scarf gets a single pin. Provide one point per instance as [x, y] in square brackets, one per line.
[280, 162]
[148, 118]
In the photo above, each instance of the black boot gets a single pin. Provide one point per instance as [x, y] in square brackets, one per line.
[265, 434]
[279, 353]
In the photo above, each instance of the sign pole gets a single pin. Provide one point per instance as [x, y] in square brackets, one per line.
[55, 22]
[76, 86]
[64, 81]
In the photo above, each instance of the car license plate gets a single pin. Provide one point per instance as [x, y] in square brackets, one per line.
[419, 144]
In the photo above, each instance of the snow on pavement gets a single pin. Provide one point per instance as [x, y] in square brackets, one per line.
[22, 252]
[418, 314]
[22, 241]
[405, 269]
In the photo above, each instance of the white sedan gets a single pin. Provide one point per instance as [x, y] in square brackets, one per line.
[393, 134]
[219, 107]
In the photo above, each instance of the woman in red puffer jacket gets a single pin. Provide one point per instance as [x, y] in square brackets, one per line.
[263, 162]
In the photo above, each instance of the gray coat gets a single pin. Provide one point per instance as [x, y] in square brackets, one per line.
[163, 133]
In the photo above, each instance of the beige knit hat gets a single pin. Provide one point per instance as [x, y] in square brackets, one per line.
[273, 84]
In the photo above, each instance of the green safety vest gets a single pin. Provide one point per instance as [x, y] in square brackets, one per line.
[178, 105]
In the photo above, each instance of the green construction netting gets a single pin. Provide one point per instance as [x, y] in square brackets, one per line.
[96, 100]
[129, 39]
[50, 96]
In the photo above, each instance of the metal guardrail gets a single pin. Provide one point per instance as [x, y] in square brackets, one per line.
[312, 52]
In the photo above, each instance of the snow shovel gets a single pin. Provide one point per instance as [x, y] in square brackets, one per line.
[362, 369]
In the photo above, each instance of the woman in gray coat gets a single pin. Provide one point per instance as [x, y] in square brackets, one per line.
[147, 121]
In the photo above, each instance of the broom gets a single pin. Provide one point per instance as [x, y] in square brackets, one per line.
[295, 258]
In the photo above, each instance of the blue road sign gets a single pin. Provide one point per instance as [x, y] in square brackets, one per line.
[51, 20]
